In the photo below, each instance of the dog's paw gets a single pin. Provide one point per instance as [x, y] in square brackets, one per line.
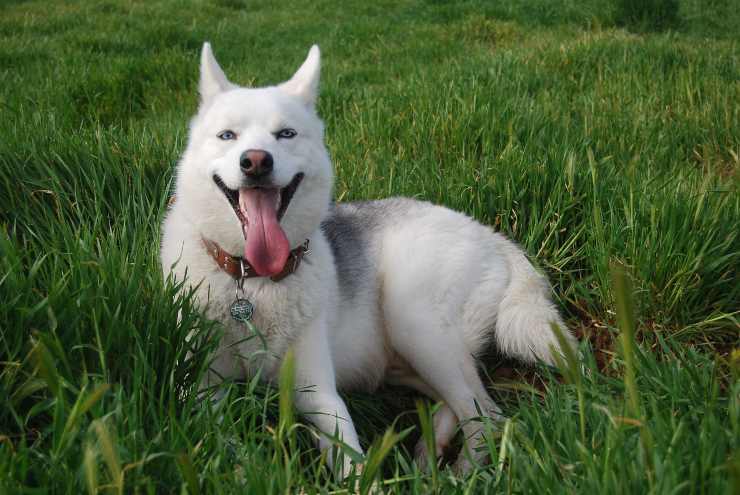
[422, 457]
[463, 465]
[355, 483]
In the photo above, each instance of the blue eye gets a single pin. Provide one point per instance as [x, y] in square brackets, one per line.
[286, 134]
[226, 135]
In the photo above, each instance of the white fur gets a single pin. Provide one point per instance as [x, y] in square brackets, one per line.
[442, 287]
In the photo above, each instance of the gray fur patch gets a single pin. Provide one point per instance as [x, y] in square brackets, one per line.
[348, 244]
[352, 231]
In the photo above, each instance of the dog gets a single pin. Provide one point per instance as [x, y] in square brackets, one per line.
[394, 291]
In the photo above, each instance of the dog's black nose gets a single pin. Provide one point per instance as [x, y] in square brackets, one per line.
[256, 163]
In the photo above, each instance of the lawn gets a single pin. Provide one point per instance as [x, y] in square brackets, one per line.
[606, 144]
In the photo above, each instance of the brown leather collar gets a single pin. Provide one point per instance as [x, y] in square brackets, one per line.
[240, 269]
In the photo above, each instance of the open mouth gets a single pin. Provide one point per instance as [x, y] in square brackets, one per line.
[260, 210]
[284, 196]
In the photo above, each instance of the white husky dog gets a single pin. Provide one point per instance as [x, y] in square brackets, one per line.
[396, 291]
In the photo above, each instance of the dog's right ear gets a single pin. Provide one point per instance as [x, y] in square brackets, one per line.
[212, 79]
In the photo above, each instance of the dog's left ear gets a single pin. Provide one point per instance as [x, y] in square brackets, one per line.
[305, 82]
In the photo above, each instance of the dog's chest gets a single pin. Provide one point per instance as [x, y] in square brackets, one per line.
[260, 322]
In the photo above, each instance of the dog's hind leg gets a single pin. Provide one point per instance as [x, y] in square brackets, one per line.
[419, 336]
[444, 420]
[445, 425]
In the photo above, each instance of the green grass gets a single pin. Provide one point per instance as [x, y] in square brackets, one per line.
[593, 143]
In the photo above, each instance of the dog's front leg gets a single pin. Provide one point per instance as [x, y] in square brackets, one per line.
[316, 393]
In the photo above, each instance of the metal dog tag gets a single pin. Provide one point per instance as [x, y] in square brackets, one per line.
[242, 310]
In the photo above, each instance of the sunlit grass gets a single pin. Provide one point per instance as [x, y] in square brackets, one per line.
[610, 154]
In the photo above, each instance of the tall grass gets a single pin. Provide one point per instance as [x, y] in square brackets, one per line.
[591, 145]
[648, 14]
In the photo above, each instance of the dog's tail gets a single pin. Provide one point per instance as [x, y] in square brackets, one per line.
[526, 315]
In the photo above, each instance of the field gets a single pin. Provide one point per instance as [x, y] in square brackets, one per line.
[606, 144]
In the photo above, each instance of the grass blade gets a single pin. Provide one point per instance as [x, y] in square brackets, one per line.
[107, 448]
[625, 320]
[185, 463]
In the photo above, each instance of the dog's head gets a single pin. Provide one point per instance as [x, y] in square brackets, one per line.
[256, 176]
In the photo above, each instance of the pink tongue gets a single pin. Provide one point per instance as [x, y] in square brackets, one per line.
[266, 247]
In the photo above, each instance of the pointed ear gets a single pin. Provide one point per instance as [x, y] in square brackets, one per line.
[212, 78]
[305, 82]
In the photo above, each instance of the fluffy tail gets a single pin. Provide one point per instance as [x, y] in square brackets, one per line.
[526, 314]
